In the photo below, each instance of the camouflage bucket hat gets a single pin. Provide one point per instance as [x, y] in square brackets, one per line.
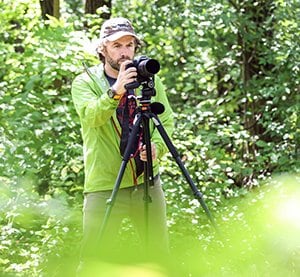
[116, 28]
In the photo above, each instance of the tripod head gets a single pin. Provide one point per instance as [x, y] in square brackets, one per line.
[148, 91]
[146, 68]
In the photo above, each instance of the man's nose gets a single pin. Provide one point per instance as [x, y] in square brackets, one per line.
[124, 51]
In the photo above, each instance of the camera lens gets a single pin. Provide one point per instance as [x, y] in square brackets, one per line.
[148, 67]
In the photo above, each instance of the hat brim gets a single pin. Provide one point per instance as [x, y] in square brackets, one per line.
[120, 34]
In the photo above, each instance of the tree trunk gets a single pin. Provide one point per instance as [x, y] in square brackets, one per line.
[255, 33]
[91, 7]
[50, 7]
[56, 11]
[252, 55]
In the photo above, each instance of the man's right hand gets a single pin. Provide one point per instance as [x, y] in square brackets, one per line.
[125, 76]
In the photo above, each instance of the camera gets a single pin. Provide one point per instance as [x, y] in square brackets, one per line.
[146, 68]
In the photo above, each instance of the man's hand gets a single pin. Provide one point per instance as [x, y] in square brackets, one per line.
[143, 152]
[125, 77]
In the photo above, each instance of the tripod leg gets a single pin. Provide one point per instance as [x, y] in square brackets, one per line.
[198, 195]
[110, 202]
[148, 176]
[148, 165]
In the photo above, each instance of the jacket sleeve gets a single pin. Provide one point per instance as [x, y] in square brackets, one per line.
[91, 101]
[166, 118]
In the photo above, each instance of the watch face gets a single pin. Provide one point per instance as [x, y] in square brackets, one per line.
[111, 93]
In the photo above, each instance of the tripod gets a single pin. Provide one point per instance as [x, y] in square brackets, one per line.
[146, 112]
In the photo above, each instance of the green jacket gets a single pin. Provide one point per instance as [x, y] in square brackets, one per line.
[101, 131]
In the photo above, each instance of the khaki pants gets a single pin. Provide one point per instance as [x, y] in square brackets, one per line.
[129, 203]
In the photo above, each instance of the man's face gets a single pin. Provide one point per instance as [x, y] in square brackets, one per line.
[118, 51]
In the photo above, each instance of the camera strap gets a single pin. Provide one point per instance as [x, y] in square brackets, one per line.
[124, 122]
[126, 111]
[126, 114]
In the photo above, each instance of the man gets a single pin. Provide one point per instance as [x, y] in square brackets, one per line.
[106, 110]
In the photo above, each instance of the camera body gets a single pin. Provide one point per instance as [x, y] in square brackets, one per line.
[146, 68]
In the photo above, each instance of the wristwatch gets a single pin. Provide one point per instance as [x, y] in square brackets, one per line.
[112, 94]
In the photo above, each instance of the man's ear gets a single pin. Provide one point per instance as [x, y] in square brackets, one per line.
[101, 49]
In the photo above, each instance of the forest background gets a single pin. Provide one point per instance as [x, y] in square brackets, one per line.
[231, 70]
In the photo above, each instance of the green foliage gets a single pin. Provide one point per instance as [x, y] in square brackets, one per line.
[233, 130]
[34, 230]
[40, 151]
[40, 133]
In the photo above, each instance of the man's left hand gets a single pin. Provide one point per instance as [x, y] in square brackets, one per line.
[143, 153]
